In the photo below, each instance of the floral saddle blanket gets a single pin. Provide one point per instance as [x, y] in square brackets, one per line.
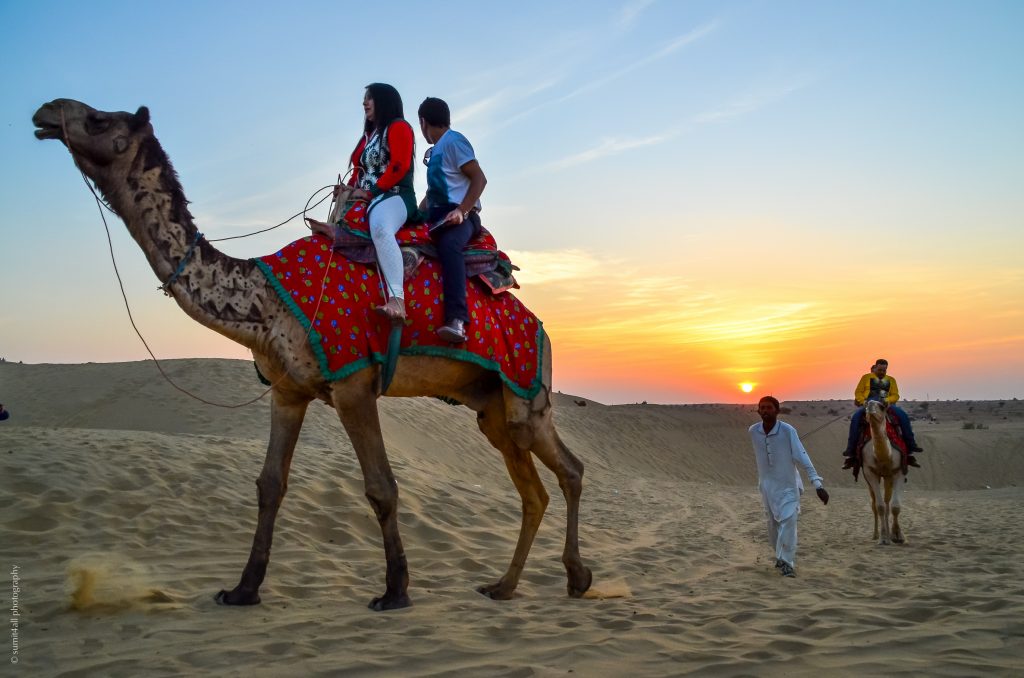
[335, 298]
[892, 431]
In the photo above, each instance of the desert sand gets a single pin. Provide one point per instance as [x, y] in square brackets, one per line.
[124, 506]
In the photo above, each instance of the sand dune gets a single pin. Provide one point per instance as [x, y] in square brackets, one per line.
[124, 506]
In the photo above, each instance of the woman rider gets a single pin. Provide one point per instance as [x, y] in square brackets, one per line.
[382, 175]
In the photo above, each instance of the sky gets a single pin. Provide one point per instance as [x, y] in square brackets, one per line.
[698, 194]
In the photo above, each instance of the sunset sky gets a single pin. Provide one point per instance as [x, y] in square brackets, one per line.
[699, 194]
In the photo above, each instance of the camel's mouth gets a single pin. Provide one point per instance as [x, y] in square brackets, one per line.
[46, 127]
[47, 124]
[47, 131]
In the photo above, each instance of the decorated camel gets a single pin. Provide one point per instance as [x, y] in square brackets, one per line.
[234, 297]
[884, 474]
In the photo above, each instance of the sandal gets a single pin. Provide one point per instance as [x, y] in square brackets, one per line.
[394, 309]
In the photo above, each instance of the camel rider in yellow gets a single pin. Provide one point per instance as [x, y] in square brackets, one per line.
[877, 385]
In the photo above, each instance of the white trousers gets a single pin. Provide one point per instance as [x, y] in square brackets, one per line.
[782, 536]
[386, 217]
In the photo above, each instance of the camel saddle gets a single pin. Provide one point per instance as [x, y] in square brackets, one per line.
[483, 258]
[895, 435]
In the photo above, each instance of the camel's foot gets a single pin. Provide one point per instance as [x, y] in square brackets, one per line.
[580, 584]
[497, 591]
[899, 539]
[884, 541]
[390, 601]
[237, 597]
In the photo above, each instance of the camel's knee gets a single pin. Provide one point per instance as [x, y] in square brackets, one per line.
[521, 433]
[572, 462]
[383, 500]
[541, 500]
[270, 489]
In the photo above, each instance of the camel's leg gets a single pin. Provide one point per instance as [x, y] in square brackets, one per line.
[895, 505]
[886, 537]
[535, 498]
[869, 480]
[553, 453]
[358, 412]
[286, 415]
[531, 427]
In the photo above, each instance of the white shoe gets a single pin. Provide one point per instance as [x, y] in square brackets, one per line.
[452, 331]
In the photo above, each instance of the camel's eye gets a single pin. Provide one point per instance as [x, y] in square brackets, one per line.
[96, 124]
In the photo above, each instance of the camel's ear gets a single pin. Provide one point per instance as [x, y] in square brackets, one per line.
[141, 118]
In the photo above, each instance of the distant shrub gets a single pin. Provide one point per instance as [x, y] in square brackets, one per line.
[833, 412]
[968, 425]
[785, 410]
[924, 407]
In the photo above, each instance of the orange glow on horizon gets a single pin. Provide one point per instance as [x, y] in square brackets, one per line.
[665, 338]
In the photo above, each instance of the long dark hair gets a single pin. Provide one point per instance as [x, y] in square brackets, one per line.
[387, 107]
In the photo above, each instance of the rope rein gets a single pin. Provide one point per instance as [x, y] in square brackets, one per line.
[827, 423]
[100, 204]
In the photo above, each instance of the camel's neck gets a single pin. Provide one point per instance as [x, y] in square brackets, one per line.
[221, 292]
[880, 440]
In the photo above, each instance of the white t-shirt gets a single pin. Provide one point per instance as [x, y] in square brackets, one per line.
[446, 184]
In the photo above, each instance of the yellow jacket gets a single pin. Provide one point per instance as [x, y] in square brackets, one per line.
[864, 389]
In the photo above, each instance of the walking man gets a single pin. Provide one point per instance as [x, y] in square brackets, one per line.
[778, 451]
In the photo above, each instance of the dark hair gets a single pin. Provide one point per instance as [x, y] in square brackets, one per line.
[770, 399]
[882, 361]
[387, 106]
[435, 111]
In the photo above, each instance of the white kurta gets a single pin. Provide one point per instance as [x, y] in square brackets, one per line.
[778, 455]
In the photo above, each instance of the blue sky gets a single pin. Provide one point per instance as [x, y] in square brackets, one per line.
[669, 175]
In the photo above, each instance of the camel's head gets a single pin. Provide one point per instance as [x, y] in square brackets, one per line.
[97, 139]
[875, 410]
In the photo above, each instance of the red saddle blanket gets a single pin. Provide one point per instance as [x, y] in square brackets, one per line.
[892, 431]
[334, 298]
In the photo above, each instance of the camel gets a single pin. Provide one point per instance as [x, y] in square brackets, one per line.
[120, 153]
[884, 476]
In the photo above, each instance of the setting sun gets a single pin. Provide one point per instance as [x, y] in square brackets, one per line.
[746, 387]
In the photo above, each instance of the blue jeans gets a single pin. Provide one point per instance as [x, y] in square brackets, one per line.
[450, 242]
[858, 417]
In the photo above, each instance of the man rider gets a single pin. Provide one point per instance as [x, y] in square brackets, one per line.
[877, 385]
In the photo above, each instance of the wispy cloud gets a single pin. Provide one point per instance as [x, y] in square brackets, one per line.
[633, 9]
[597, 299]
[541, 268]
[745, 104]
[606, 148]
[668, 49]
[753, 100]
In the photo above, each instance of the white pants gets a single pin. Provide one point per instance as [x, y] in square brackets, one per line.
[782, 536]
[386, 217]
